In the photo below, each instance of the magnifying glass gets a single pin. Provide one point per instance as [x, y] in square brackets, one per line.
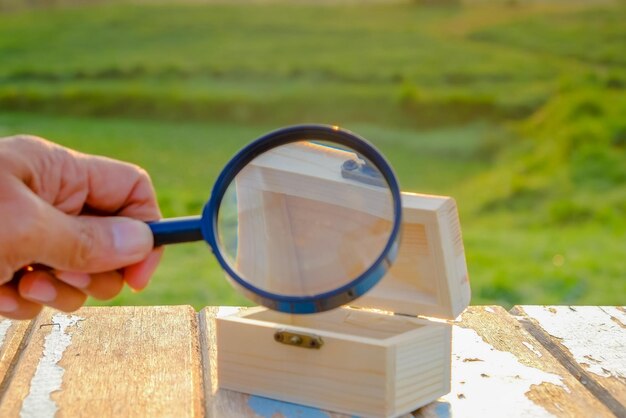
[302, 220]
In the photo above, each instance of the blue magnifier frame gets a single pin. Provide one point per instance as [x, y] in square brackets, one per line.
[176, 230]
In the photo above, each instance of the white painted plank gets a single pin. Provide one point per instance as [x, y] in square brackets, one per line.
[498, 369]
[49, 375]
[590, 341]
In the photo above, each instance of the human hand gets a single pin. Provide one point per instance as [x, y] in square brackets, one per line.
[79, 214]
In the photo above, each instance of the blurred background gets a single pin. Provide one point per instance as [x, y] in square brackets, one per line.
[516, 108]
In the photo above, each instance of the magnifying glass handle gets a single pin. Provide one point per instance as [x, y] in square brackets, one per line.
[176, 230]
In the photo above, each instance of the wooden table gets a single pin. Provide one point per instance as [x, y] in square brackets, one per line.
[160, 361]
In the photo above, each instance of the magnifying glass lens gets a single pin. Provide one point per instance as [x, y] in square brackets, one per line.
[305, 218]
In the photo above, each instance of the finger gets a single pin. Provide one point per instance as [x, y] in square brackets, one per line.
[105, 286]
[6, 272]
[75, 279]
[90, 243]
[13, 306]
[138, 275]
[42, 287]
[20, 226]
[71, 243]
[121, 188]
[102, 286]
[70, 180]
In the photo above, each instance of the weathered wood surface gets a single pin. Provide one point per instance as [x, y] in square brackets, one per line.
[160, 361]
[499, 369]
[590, 341]
[12, 335]
[123, 361]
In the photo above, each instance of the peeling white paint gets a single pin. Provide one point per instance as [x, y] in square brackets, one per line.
[490, 387]
[49, 375]
[5, 324]
[594, 336]
[531, 348]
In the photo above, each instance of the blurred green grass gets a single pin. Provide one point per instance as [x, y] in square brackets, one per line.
[516, 110]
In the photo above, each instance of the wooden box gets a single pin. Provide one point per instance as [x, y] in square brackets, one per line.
[375, 358]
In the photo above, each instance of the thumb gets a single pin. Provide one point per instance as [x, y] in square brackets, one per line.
[93, 244]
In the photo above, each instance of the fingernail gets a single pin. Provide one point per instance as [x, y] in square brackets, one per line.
[131, 237]
[79, 280]
[7, 304]
[41, 290]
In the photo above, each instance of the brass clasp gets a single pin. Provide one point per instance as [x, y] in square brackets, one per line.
[299, 340]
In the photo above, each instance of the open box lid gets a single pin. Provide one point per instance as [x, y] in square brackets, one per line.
[429, 276]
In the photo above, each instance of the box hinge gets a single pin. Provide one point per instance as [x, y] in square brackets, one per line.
[364, 171]
[298, 339]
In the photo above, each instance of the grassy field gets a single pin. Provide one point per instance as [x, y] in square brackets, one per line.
[515, 110]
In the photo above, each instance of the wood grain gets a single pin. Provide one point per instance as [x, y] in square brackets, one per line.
[589, 341]
[120, 361]
[499, 369]
[13, 336]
